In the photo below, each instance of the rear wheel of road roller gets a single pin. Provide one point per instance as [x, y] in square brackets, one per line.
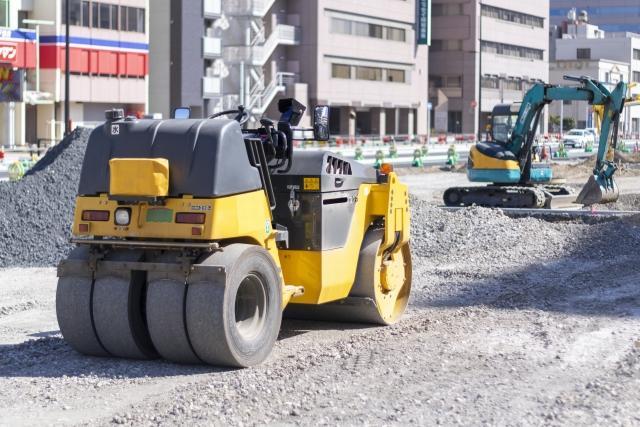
[73, 308]
[118, 309]
[383, 278]
[233, 318]
[380, 292]
[166, 297]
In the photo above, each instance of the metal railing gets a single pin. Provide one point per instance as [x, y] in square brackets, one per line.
[259, 54]
[259, 102]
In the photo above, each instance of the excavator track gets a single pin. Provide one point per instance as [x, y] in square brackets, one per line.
[512, 197]
[496, 196]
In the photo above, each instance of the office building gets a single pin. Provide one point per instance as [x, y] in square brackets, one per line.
[484, 53]
[582, 48]
[349, 54]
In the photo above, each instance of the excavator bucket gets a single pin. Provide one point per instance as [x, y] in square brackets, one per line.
[598, 190]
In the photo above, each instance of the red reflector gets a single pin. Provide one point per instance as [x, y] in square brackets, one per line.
[95, 215]
[190, 218]
[84, 228]
[196, 231]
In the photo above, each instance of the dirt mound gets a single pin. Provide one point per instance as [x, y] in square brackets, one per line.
[36, 212]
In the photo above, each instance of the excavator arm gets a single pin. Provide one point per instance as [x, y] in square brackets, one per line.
[601, 187]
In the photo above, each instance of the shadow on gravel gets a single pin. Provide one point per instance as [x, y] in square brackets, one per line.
[51, 357]
[293, 327]
[599, 277]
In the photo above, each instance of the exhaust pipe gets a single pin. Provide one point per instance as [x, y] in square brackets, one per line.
[598, 190]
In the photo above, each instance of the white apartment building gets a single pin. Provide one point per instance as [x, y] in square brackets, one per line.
[585, 49]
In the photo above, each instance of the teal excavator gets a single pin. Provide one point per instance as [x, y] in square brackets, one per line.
[506, 163]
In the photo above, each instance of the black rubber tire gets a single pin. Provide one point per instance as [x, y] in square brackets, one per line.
[118, 310]
[211, 307]
[73, 310]
[166, 296]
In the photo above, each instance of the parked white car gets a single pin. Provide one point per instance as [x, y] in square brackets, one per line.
[578, 138]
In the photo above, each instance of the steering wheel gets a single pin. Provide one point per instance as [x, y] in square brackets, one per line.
[242, 115]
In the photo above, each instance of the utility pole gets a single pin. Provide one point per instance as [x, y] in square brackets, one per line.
[480, 72]
[67, 72]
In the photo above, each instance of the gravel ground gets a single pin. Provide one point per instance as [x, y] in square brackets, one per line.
[512, 322]
[41, 204]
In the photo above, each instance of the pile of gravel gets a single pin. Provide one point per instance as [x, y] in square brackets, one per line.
[36, 212]
[477, 234]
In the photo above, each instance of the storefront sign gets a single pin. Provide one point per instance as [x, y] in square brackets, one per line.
[423, 22]
[11, 83]
[8, 52]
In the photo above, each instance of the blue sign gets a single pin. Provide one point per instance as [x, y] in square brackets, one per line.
[423, 22]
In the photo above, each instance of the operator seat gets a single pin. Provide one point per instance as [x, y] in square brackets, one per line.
[495, 150]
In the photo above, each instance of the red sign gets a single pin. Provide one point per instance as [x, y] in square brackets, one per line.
[8, 52]
[474, 104]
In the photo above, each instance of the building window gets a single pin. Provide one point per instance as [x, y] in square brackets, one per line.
[446, 45]
[567, 102]
[396, 34]
[454, 81]
[445, 9]
[512, 16]
[368, 73]
[344, 71]
[340, 26]
[340, 71]
[395, 75]
[636, 54]
[4, 13]
[511, 50]
[512, 84]
[132, 19]
[435, 81]
[74, 12]
[114, 17]
[583, 54]
[636, 76]
[105, 16]
[95, 15]
[490, 82]
[86, 14]
[366, 29]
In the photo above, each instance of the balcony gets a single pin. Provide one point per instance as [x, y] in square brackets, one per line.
[211, 47]
[212, 8]
[211, 87]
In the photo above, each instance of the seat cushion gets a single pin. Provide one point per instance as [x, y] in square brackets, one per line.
[497, 151]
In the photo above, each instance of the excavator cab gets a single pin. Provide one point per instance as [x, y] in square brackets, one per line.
[503, 120]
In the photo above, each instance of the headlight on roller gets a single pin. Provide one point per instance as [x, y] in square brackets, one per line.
[123, 216]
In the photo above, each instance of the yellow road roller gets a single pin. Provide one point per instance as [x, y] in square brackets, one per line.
[193, 237]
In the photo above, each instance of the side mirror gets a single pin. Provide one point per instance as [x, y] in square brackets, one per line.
[321, 123]
[182, 113]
